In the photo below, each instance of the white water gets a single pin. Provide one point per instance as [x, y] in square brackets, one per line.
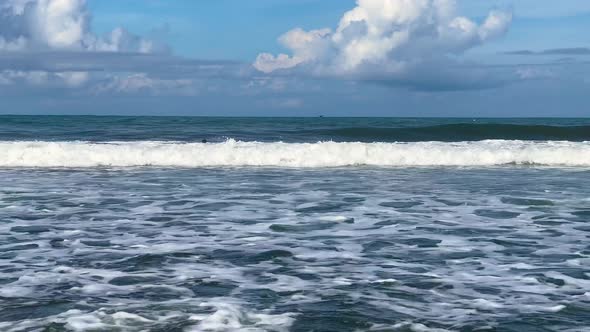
[399, 249]
[322, 154]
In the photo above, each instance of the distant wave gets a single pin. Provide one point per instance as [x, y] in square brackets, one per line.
[457, 132]
[300, 130]
[322, 154]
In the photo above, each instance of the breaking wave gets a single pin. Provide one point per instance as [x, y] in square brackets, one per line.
[457, 132]
[321, 154]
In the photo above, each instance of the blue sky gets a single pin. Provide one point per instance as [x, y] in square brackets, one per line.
[296, 57]
[239, 30]
[218, 29]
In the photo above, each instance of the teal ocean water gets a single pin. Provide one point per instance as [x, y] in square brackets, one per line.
[194, 129]
[315, 224]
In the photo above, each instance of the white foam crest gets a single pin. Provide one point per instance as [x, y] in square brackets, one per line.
[321, 154]
[230, 317]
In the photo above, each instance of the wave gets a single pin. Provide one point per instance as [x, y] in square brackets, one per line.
[457, 132]
[321, 154]
[292, 130]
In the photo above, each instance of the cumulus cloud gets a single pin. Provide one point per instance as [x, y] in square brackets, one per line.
[381, 38]
[58, 23]
[30, 30]
[115, 73]
[33, 25]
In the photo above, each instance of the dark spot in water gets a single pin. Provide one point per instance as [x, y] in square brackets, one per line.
[30, 229]
[140, 262]
[582, 213]
[376, 245]
[29, 217]
[96, 243]
[125, 229]
[58, 243]
[495, 214]
[526, 201]
[462, 255]
[132, 280]
[7, 255]
[400, 205]
[203, 288]
[549, 280]
[56, 327]
[113, 201]
[68, 204]
[423, 284]
[487, 290]
[4, 281]
[271, 255]
[513, 243]
[262, 297]
[421, 242]
[215, 206]
[179, 223]
[353, 199]
[346, 220]
[553, 232]
[41, 309]
[160, 219]
[22, 247]
[282, 228]
[450, 203]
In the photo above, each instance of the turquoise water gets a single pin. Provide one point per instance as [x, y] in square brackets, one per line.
[134, 224]
[191, 129]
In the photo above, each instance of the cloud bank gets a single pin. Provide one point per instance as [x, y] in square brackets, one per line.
[386, 40]
[36, 36]
[34, 25]
[553, 51]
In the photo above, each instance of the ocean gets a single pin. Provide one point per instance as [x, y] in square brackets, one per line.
[294, 224]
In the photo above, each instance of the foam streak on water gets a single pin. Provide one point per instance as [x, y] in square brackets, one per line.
[280, 249]
[323, 154]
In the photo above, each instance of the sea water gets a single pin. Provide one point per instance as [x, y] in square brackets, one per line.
[317, 224]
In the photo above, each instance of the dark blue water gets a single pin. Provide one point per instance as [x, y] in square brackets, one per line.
[195, 129]
[133, 224]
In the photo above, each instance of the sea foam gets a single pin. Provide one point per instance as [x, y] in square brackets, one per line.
[278, 154]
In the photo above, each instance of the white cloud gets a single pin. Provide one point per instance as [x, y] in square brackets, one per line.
[30, 26]
[74, 78]
[142, 83]
[385, 37]
[59, 24]
[40, 78]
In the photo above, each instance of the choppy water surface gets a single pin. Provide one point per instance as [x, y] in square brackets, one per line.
[271, 249]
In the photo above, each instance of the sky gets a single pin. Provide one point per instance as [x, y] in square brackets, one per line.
[441, 58]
